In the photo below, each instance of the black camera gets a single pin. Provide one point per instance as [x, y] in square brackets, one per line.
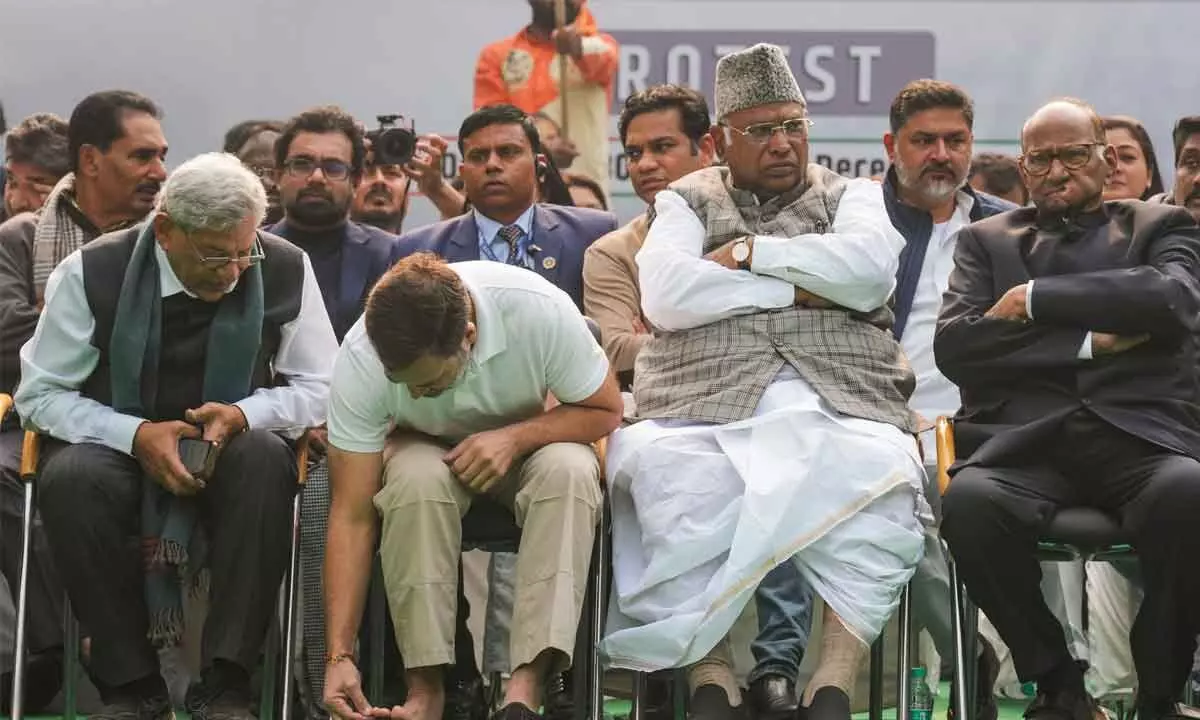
[392, 143]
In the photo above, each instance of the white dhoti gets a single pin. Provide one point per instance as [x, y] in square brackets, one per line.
[702, 512]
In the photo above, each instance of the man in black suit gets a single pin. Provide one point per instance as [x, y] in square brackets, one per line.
[1069, 327]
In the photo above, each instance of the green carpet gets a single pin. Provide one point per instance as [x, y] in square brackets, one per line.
[619, 709]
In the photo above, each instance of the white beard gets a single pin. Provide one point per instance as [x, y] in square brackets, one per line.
[932, 191]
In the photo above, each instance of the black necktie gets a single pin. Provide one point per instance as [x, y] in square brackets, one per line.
[511, 234]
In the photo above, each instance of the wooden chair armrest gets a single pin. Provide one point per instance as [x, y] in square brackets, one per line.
[6, 405]
[601, 448]
[944, 434]
[302, 452]
[31, 451]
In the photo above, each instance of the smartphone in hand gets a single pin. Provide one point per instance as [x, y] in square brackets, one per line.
[198, 456]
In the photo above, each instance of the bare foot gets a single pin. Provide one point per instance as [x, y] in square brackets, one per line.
[420, 705]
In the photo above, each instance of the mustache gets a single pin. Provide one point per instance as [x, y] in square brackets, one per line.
[150, 186]
[323, 194]
[938, 167]
[379, 191]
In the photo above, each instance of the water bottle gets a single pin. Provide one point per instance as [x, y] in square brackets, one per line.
[920, 697]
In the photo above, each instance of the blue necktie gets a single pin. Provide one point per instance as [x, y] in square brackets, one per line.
[512, 234]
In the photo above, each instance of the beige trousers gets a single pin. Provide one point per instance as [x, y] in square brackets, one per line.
[555, 497]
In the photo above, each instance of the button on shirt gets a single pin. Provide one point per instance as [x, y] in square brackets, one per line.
[493, 247]
[60, 358]
[531, 341]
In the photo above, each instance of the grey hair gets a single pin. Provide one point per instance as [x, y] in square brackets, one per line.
[212, 192]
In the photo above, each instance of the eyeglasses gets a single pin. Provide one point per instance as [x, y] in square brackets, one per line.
[304, 166]
[761, 134]
[263, 172]
[1072, 157]
[216, 262]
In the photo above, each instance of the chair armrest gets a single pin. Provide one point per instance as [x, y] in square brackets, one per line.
[944, 434]
[302, 452]
[31, 451]
[6, 404]
[601, 448]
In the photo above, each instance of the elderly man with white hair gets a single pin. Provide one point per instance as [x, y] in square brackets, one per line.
[193, 325]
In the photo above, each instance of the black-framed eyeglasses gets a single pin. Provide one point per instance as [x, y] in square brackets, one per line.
[303, 166]
[1073, 157]
[216, 262]
[761, 133]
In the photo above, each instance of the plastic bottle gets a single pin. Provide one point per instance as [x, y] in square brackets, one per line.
[920, 697]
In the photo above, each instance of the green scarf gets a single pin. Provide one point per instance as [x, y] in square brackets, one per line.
[234, 338]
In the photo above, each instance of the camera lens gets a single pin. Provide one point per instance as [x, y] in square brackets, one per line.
[394, 146]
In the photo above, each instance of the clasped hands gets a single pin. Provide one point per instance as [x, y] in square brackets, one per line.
[1014, 306]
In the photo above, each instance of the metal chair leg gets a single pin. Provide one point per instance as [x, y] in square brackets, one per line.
[18, 689]
[70, 688]
[377, 610]
[904, 656]
[599, 597]
[638, 709]
[875, 700]
[289, 623]
[958, 621]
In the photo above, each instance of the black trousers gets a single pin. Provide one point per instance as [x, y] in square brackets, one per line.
[90, 497]
[993, 517]
[45, 594]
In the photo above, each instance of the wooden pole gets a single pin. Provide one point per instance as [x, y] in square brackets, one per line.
[560, 20]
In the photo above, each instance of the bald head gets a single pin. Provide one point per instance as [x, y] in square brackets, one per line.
[1075, 115]
[1065, 158]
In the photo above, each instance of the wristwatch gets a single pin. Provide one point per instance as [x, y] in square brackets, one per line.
[741, 254]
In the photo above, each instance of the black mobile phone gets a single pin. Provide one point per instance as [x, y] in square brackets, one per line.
[198, 456]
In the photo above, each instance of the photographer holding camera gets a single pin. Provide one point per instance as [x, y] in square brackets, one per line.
[396, 156]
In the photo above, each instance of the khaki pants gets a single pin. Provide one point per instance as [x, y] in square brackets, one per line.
[555, 497]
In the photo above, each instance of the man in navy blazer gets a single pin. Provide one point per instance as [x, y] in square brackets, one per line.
[501, 169]
[319, 159]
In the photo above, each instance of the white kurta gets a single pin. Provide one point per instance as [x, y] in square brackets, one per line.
[701, 512]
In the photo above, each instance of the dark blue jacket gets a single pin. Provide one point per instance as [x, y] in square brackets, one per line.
[916, 226]
[562, 234]
[367, 253]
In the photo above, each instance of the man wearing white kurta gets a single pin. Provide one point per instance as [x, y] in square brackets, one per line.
[772, 401]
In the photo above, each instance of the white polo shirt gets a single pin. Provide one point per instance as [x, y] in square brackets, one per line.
[531, 341]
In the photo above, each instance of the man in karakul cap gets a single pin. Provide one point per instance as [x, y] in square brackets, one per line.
[772, 405]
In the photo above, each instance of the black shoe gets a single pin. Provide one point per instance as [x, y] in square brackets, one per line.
[43, 680]
[465, 699]
[773, 697]
[129, 707]
[559, 703]
[710, 702]
[1063, 706]
[828, 703]
[220, 696]
[515, 711]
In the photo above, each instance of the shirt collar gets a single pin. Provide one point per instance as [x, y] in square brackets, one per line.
[489, 227]
[490, 338]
